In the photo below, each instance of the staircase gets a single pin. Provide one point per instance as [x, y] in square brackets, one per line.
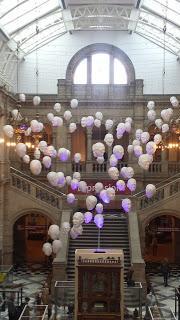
[34, 189]
[113, 235]
[165, 190]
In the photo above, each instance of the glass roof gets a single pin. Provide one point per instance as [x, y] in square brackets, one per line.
[31, 23]
[34, 23]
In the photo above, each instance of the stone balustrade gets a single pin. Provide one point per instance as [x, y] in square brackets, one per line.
[37, 190]
[163, 192]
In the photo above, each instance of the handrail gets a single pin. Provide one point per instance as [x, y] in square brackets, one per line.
[37, 183]
[159, 185]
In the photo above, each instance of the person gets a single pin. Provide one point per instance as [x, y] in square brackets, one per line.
[45, 294]
[11, 308]
[154, 246]
[3, 302]
[129, 280]
[150, 302]
[165, 271]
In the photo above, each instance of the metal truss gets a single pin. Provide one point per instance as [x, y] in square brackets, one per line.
[106, 17]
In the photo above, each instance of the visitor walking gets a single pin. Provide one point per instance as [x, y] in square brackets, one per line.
[165, 271]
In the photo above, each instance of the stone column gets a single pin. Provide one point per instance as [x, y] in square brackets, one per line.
[135, 248]
[60, 262]
[89, 144]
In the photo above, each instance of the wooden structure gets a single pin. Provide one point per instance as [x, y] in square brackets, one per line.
[99, 284]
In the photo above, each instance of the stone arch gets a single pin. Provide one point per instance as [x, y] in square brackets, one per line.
[100, 47]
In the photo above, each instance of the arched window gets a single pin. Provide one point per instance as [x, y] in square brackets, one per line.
[104, 68]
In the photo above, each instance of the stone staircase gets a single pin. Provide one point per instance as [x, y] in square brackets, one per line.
[113, 235]
[35, 189]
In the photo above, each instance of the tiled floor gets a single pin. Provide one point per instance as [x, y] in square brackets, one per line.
[32, 282]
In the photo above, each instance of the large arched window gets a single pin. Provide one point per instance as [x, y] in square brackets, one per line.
[104, 68]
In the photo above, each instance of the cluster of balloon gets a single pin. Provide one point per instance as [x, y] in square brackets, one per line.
[142, 148]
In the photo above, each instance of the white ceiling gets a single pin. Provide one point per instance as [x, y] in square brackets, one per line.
[30, 24]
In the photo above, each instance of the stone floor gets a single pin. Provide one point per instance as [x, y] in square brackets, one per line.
[32, 282]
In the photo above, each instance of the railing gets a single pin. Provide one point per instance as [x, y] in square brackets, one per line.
[161, 313]
[35, 312]
[162, 192]
[37, 190]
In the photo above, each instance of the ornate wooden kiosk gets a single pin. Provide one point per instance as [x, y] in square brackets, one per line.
[99, 282]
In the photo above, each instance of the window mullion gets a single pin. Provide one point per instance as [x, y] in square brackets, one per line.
[89, 69]
[111, 69]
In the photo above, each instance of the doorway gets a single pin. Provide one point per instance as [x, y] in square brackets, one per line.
[162, 239]
[29, 234]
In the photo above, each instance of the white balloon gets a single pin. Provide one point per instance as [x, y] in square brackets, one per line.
[97, 123]
[50, 151]
[151, 115]
[42, 146]
[99, 208]
[144, 161]
[157, 138]
[88, 217]
[118, 151]
[131, 184]
[28, 132]
[174, 101]
[113, 160]
[68, 180]
[57, 122]
[91, 202]
[50, 116]
[16, 115]
[46, 161]
[126, 204]
[47, 249]
[77, 175]
[52, 177]
[63, 154]
[57, 107]
[56, 246]
[145, 136]
[138, 134]
[89, 121]
[111, 193]
[74, 184]
[121, 186]
[83, 186]
[159, 123]
[77, 157]
[99, 115]
[26, 158]
[151, 105]
[130, 148]
[78, 218]
[109, 124]
[22, 97]
[21, 149]
[54, 231]
[108, 139]
[67, 115]
[113, 173]
[151, 147]
[150, 190]
[98, 149]
[128, 127]
[99, 220]
[8, 130]
[36, 100]
[100, 160]
[83, 122]
[72, 127]
[136, 142]
[121, 128]
[37, 153]
[98, 187]
[104, 196]
[70, 198]
[129, 119]
[127, 172]
[74, 103]
[166, 114]
[165, 127]
[35, 167]
[138, 150]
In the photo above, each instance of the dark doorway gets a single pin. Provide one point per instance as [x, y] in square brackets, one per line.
[162, 239]
[30, 232]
